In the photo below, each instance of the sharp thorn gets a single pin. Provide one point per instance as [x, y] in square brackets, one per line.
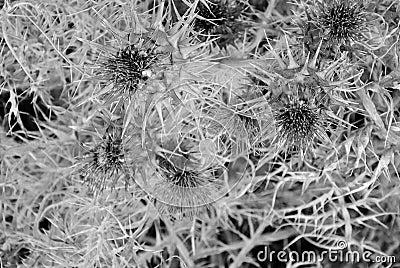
[313, 64]
[175, 38]
[138, 27]
[292, 62]
[304, 70]
[157, 23]
[277, 57]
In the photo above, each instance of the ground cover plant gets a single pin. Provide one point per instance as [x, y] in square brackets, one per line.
[194, 133]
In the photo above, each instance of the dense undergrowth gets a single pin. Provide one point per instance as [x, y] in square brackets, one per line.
[195, 133]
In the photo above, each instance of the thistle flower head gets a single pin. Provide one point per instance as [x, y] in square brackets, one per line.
[299, 94]
[104, 162]
[188, 162]
[342, 20]
[177, 171]
[220, 18]
[299, 121]
[140, 60]
[128, 69]
[184, 190]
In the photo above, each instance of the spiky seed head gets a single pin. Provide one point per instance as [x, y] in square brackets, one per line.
[299, 122]
[178, 176]
[342, 20]
[145, 52]
[299, 98]
[221, 18]
[130, 68]
[104, 162]
[183, 191]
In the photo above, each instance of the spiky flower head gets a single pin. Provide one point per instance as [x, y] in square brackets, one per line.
[103, 162]
[129, 69]
[340, 20]
[184, 189]
[299, 121]
[135, 67]
[220, 18]
[188, 158]
[299, 94]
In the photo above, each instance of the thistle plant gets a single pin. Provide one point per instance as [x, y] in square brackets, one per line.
[129, 72]
[341, 21]
[299, 96]
[184, 190]
[337, 23]
[147, 51]
[221, 19]
[130, 68]
[199, 141]
[186, 160]
[299, 121]
[103, 162]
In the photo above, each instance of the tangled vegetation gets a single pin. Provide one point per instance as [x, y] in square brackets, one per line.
[199, 133]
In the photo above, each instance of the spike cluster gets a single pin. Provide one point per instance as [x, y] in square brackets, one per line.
[104, 160]
[132, 74]
[221, 18]
[341, 21]
[146, 56]
[182, 176]
[299, 101]
[298, 123]
[130, 68]
[183, 190]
